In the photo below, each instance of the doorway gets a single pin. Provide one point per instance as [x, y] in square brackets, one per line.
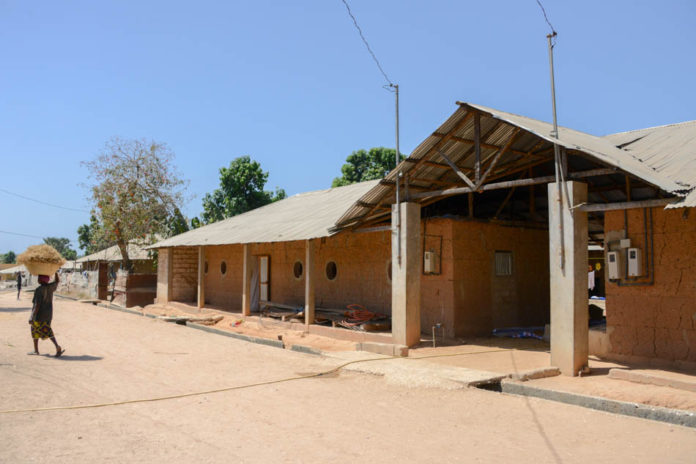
[264, 267]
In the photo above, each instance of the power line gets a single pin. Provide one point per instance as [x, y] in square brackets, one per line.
[553, 31]
[17, 233]
[367, 45]
[42, 202]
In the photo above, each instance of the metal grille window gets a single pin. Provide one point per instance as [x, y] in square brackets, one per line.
[503, 263]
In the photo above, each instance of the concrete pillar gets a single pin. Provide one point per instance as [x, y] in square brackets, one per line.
[569, 313]
[246, 281]
[406, 275]
[165, 272]
[201, 277]
[309, 283]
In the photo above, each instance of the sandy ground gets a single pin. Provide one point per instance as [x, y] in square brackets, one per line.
[348, 417]
[500, 355]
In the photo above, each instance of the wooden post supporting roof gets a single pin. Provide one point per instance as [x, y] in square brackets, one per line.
[477, 146]
[201, 277]
[309, 283]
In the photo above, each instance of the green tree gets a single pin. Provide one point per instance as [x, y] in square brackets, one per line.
[241, 190]
[91, 237]
[177, 224]
[135, 192]
[62, 246]
[364, 165]
[9, 257]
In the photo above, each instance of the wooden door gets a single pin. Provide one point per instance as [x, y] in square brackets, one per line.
[103, 281]
[264, 278]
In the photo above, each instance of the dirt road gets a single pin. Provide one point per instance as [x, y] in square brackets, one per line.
[348, 417]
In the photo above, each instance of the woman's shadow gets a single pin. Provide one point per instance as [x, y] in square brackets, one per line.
[83, 357]
[14, 310]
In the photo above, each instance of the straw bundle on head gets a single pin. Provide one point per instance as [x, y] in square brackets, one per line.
[41, 259]
[41, 254]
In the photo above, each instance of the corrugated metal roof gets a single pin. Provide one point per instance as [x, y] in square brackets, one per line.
[669, 150]
[599, 147]
[14, 269]
[300, 217]
[71, 265]
[499, 127]
[112, 254]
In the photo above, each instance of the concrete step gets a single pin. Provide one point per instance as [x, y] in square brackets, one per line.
[656, 377]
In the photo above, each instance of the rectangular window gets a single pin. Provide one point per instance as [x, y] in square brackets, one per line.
[503, 263]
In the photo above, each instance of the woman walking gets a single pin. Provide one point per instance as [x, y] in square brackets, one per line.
[42, 313]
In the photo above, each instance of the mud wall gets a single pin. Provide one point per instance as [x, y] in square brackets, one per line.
[465, 295]
[659, 320]
[224, 290]
[483, 300]
[185, 273]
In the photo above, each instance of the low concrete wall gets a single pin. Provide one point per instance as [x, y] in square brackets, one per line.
[81, 285]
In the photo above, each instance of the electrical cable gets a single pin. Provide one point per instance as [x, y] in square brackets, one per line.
[367, 45]
[43, 202]
[241, 387]
[546, 18]
[17, 233]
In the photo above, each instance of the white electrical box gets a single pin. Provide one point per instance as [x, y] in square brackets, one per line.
[625, 243]
[635, 262]
[430, 263]
[614, 268]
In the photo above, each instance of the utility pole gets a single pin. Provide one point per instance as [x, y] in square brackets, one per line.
[398, 177]
[556, 149]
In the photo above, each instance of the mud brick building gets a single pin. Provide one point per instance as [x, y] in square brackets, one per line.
[486, 224]
[102, 278]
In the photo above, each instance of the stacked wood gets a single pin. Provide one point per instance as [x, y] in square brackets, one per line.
[204, 320]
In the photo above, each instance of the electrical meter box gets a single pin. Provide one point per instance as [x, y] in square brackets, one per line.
[635, 262]
[614, 268]
[431, 264]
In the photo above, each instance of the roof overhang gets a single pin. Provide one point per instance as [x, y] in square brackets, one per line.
[479, 149]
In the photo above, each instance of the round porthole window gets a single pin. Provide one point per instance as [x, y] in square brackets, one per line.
[223, 268]
[205, 267]
[297, 269]
[331, 270]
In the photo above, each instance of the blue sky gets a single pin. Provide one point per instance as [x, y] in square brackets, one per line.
[291, 85]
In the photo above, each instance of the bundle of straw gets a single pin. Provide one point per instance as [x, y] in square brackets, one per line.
[41, 259]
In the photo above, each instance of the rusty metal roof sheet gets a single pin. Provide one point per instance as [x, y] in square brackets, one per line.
[669, 150]
[301, 217]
